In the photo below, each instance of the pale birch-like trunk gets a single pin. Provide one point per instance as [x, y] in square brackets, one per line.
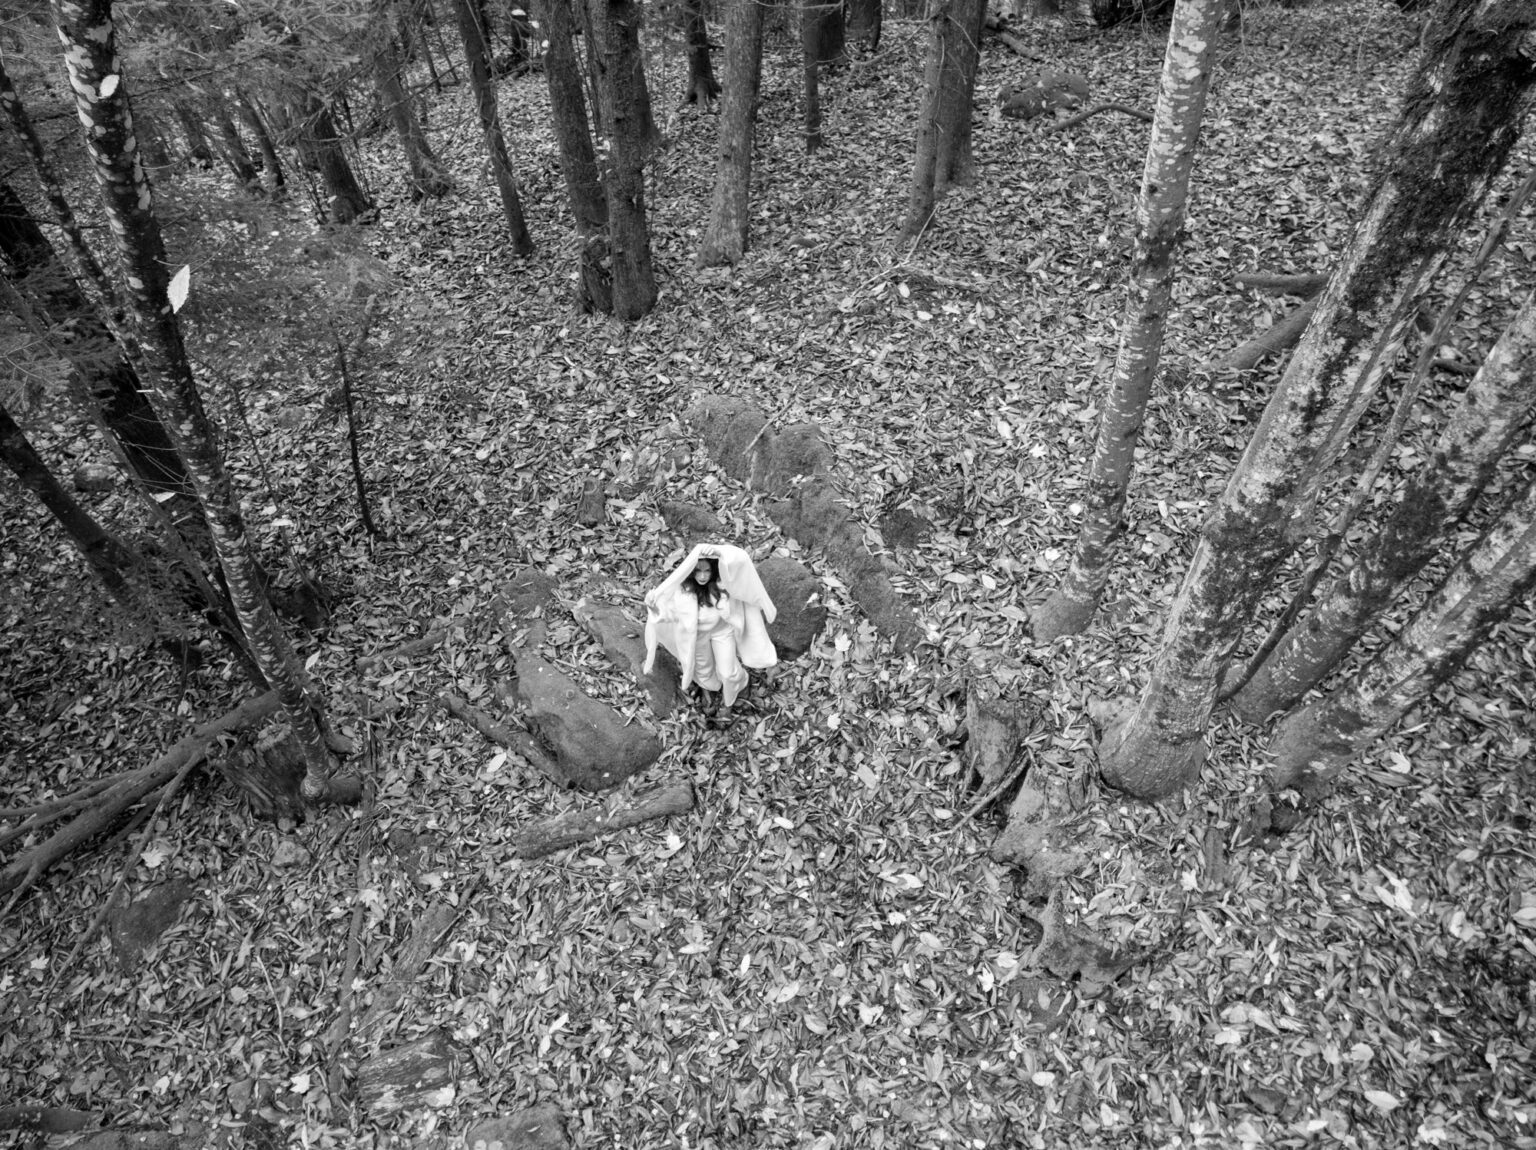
[725, 239]
[156, 350]
[943, 154]
[1312, 746]
[1160, 210]
[1461, 116]
[471, 19]
[1483, 427]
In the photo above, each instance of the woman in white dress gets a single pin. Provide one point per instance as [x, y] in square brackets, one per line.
[712, 614]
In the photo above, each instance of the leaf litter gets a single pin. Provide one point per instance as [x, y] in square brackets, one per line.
[817, 956]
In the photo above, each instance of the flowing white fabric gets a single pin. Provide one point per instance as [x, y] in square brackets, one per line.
[672, 613]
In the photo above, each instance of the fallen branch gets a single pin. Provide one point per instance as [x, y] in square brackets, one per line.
[336, 1033]
[565, 830]
[1304, 284]
[1010, 41]
[23, 871]
[430, 931]
[1074, 121]
[427, 642]
[520, 743]
[1279, 337]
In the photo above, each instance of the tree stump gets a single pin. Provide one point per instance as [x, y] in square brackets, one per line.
[595, 746]
[420, 1074]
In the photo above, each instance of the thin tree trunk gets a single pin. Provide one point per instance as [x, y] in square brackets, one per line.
[471, 18]
[1160, 210]
[115, 566]
[621, 83]
[271, 163]
[192, 130]
[568, 108]
[702, 85]
[101, 100]
[944, 122]
[345, 201]
[234, 151]
[810, 37]
[1313, 746]
[106, 377]
[1461, 117]
[1485, 424]
[427, 177]
[725, 239]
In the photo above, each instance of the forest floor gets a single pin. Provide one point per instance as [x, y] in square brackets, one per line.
[820, 955]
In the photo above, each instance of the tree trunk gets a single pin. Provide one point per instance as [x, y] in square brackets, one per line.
[1460, 118]
[864, 20]
[828, 34]
[1483, 427]
[1313, 746]
[156, 154]
[192, 130]
[345, 201]
[101, 100]
[621, 84]
[106, 377]
[568, 108]
[427, 177]
[1160, 211]
[702, 85]
[271, 163]
[725, 239]
[234, 151]
[944, 122]
[810, 42]
[115, 566]
[471, 19]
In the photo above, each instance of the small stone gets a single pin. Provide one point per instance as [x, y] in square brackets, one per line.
[94, 477]
[537, 1128]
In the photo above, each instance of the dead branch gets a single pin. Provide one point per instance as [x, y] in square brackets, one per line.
[336, 1033]
[430, 931]
[1074, 121]
[565, 830]
[1304, 284]
[24, 870]
[1279, 337]
[1010, 41]
[520, 743]
[426, 643]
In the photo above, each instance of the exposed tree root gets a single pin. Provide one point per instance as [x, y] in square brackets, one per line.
[520, 743]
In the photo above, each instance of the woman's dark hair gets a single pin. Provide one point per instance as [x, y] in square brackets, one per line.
[706, 593]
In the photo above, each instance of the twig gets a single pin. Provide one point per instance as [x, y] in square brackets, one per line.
[1016, 769]
[357, 464]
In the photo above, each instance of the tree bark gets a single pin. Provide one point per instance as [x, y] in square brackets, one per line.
[1483, 427]
[702, 85]
[829, 34]
[864, 20]
[192, 131]
[944, 122]
[345, 201]
[1313, 746]
[620, 81]
[1160, 209]
[234, 151]
[105, 376]
[271, 163]
[116, 567]
[1460, 118]
[725, 239]
[156, 349]
[568, 108]
[427, 178]
[810, 39]
[471, 18]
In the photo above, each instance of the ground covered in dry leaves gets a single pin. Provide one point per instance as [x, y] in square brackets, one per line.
[820, 955]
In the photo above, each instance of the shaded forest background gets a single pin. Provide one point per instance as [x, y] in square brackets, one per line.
[818, 955]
